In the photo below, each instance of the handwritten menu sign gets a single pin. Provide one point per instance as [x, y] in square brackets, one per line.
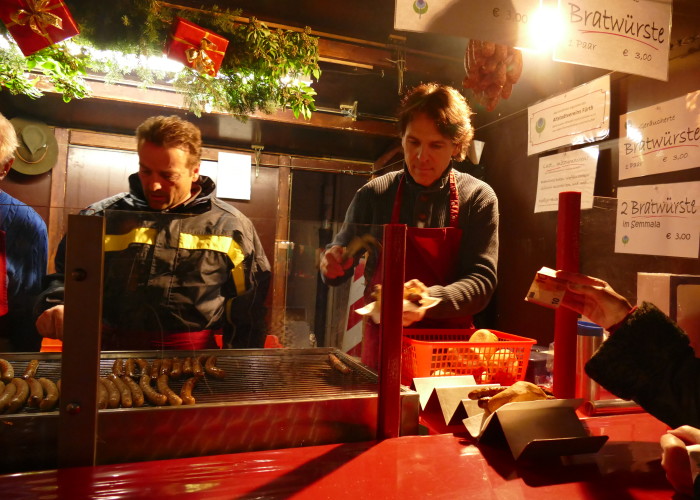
[578, 116]
[570, 171]
[631, 36]
[660, 219]
[499, 21]
[661, 138]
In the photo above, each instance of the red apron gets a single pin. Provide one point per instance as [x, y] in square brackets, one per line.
[432, 256]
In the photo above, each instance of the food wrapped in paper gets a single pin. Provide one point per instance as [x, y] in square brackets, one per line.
[373, 308]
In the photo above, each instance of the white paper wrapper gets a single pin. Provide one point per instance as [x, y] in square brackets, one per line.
[373, 311]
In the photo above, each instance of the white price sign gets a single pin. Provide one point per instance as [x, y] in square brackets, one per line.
[660, 219]
[500, 21]
[632, 36]
[660, 138]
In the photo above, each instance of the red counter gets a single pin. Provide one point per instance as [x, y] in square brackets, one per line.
[443, 466]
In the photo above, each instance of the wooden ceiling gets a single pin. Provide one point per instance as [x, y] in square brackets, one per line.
[358, 48]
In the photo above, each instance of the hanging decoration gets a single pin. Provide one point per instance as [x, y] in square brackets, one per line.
[268, 70]
[492, 70]
[196, 47]
[36, 24]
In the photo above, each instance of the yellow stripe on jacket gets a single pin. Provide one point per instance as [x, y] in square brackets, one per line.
[213, 242]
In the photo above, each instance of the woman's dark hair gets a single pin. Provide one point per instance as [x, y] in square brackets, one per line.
[446, 107]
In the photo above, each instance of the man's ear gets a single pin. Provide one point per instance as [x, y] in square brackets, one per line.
[195, 173]
[6, 167]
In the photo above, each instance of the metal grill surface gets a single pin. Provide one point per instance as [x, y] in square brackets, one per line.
[256, 375]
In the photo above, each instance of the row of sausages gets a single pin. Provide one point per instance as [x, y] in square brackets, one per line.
[128, 385]
[16, 392]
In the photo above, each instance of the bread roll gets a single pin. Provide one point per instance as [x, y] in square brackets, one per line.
[519, 391]
[483, 335]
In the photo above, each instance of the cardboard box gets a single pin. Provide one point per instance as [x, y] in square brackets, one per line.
[678, 295]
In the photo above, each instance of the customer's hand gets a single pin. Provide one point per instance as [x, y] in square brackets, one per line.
[601, 304]
[674, 457]
[332, 264]
[50, 323]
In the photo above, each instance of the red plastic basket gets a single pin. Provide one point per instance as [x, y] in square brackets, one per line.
[439, 353]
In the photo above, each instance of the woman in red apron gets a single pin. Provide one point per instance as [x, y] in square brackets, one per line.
[452, 217]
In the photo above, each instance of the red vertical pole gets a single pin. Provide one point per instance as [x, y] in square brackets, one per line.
[568, 230]
[391, 329]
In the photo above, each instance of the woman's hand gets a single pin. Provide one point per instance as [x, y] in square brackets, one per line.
[601, 304]
[674, 457]
[332, 264]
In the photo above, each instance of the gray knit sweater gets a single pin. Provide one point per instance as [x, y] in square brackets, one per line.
[478, 218]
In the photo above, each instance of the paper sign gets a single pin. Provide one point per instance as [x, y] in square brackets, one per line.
[499, 21]
[575, 117]
[570, 171]
[234, 180]
[631, 36]
[660, 219]
[661, 138]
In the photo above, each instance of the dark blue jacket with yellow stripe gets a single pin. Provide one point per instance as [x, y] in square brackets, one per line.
[199, 267]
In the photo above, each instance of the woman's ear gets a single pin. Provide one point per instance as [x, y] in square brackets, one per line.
[6, 167]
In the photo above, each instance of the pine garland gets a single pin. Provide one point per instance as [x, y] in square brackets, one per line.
[263, 70]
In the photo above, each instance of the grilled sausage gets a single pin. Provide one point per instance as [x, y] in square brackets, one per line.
[113, 395]
[118, 367]
[153, 396]
[186, 391]
[163, 388]
[17, 402]
[187, 366]
[7, 371]
[50, 395]
[155, 368]
[7, 395]
[197, 368]
[211, 369]
[165, 366]
[124, 392]
[130, 367]
[30, 370]
[176, 369]
[337, 364]
[102, 396]
[36, 393]
[143, 366]
[136, 392]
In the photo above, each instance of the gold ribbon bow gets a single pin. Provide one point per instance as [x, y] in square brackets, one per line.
[38, 17]
[199, 59]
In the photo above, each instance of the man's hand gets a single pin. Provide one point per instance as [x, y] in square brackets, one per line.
[414, 286]
[601, 304]
[332, 264]
[50, 323]
[674, 458]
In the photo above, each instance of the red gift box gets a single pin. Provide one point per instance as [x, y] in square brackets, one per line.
[196, 47]
[36, 24]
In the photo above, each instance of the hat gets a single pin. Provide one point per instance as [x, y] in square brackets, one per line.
[37, 150]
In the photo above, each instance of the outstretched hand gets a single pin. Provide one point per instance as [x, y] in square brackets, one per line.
[600, 303]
